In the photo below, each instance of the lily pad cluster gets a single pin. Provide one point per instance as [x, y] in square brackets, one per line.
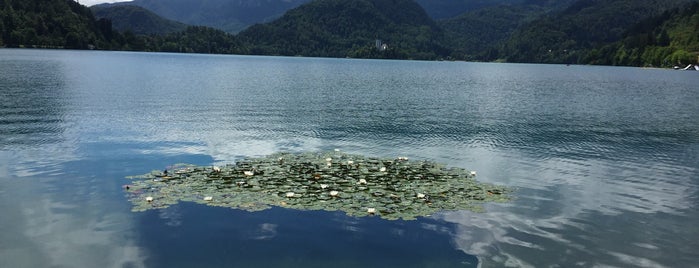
[358, 185]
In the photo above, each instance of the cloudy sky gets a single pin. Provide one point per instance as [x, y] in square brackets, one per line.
[94, 2]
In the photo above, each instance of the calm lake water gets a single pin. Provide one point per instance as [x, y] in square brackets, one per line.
[605, 160]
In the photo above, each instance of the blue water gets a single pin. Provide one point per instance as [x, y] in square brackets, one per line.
[604, 159]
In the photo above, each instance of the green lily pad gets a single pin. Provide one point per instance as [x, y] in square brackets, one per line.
[358, 185]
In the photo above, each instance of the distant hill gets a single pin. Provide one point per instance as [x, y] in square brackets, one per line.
[478, 34]
[442, 9]
[234, 16]
[350, 28]
[568, 35]
[229, 15]
[611, 32]
[136, 19]
[55, 24]
[669, 39]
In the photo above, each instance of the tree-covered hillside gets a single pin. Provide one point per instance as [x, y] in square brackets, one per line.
[194, 39]
[612, 32]
[67, 24]
[136, 19]
[478, 35]
[666, 40]
[567, 36]
[227, 15]
[350, 28]
[443, 9]
[50, 23]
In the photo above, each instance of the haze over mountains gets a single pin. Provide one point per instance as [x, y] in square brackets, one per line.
[137, 19]
[228, 15]
[544, 31]
[235, 15]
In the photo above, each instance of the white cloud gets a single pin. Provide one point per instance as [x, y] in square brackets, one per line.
[95, 2]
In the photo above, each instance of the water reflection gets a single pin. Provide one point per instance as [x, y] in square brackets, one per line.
[289, 238]
[44, 228]
[606, 213]
[605, 159]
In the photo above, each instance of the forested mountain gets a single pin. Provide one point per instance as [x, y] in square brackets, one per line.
[67, 24]
[194, 39]
[228, 15]
[612, 32]
[350, 28]
[477, 35]
[567, 36]
[442, 9]
[666, 40]
[136, 19]
[50, 23]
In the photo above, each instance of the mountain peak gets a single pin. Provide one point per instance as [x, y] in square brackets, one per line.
[342, 28]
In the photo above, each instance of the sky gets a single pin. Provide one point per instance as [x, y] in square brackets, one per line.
[94, 2]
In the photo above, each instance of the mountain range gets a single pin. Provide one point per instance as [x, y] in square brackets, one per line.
[228, 15]
[350, 28]
[616, 32]
[137, 19]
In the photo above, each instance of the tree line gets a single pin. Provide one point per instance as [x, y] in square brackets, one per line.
[344, 28]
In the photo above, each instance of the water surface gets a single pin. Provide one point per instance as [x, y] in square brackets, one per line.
[604, 159]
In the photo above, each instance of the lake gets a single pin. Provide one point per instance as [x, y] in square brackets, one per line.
[604, 160]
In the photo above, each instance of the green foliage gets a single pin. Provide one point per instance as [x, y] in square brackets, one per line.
[568, 36]
[613, 32]
[443, 9]
[682, 57]
[665, 40]
[67, 24]
[349, 28]
[197, 39]
[476, 35]
[227, 15]
[48, 23]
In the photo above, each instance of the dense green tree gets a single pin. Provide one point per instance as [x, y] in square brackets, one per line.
[666, 40]
[350, 28]
[612, 32]
[477, 35]
[229, 16]
[567, 36]
[48, 23]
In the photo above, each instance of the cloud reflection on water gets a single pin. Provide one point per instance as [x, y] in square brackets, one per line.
[43, 229]
[576, 204]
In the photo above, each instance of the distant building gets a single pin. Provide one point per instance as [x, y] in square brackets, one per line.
[380, 45]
